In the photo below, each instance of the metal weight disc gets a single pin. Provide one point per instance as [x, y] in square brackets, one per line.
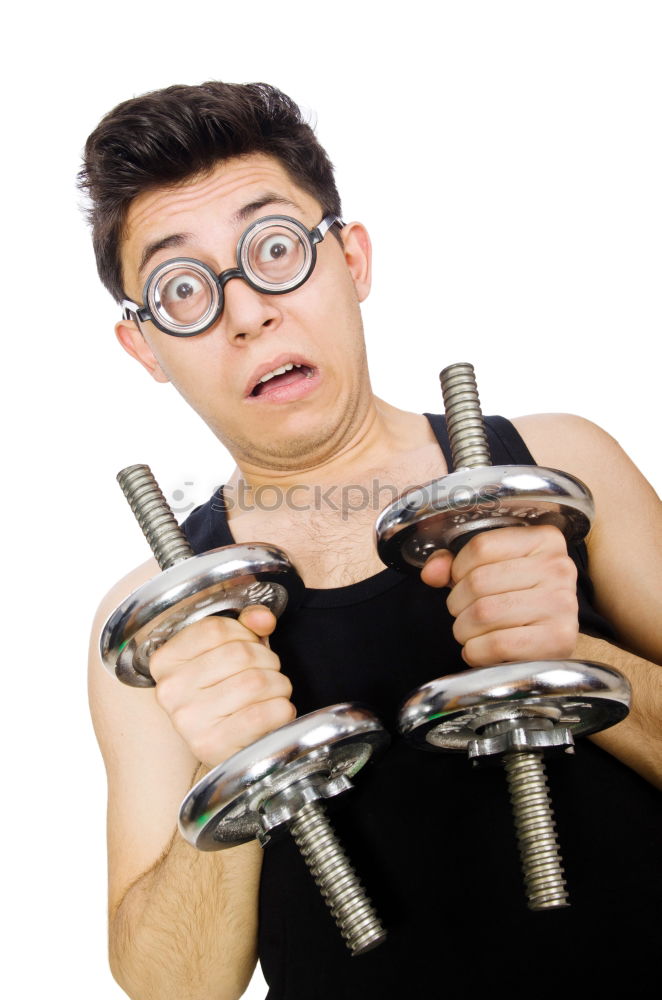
[313, 757]
[441, 513]
[580, 695]
[220, 580]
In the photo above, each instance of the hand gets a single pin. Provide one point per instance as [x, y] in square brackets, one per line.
[221, 685]
[513, 596]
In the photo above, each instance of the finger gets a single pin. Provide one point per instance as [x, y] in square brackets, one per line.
[541, 570]
[178, 681]
[533, 642]
[506, 543]
[249, 687]
[252, 723]
[200, 637]
[204, 709]
[515, 609]
[437, 570]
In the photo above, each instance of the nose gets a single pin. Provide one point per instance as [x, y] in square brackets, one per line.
[247, 313]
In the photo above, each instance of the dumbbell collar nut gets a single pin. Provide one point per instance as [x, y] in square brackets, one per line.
[537, 734]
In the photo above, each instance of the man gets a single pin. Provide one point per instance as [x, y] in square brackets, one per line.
[179, 180]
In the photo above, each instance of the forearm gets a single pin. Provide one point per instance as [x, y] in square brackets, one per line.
[186, 930]
[637, 741]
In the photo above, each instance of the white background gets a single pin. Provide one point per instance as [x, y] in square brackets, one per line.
[506, 157]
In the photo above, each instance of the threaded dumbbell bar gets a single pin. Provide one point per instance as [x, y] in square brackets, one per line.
[281, 780]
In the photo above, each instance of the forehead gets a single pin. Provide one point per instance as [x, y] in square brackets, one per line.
[208, 207]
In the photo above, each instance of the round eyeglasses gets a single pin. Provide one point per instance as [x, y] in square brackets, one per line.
[275, 255]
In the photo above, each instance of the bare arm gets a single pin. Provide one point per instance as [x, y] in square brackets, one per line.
[637, 741]
[182, 923]
[625, 563]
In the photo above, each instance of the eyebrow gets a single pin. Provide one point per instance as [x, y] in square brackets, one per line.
[270, 198]
[176, 240]
[168, 242]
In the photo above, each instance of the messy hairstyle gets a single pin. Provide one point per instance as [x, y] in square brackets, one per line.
[172, 135]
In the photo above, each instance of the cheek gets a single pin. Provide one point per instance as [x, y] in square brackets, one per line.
[192, 369]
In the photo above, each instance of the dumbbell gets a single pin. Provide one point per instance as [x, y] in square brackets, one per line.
[518, 711]
[281, 780]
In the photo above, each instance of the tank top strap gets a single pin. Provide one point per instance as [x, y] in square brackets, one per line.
[506, 445]
[207, 526]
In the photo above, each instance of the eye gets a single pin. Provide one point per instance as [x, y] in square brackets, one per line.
[275, 256]
[180, 288]
[183, 295]
[276, 247]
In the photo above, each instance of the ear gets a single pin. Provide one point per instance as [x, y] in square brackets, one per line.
[358, 256]
[130, 337]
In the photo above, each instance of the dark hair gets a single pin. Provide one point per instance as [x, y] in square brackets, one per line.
[168, 136]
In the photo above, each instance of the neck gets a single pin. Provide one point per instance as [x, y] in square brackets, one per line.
[382, 432]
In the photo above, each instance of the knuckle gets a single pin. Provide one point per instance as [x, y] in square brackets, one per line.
[479, 581]
[483, 544]
[282, 684]
[568, 636]
[284, 711]
[562, 568]
[551, 536]
[483, 610]
[474, 654]
[159, 662]
[202, 746]
[268, 715]
[460, 633]
[182, 719]
[166, 693]
[502, 647]
[212, 629]
[239, 654]
[255, 682]
[563, 605]
[570, 571]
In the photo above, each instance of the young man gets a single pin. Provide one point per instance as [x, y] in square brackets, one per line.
[179, 180]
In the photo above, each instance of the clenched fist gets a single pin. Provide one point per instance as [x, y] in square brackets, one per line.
[221, 685]
[513, 596]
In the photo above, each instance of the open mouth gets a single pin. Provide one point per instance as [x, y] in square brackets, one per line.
[286, 374]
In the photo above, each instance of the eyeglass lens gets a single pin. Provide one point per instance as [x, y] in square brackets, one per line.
[273, 256]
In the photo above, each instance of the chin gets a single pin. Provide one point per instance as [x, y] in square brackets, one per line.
[299, 444]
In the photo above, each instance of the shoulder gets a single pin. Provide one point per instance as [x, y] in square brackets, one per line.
[625, 541]
[585, 450]
[561, 439]
[577, 446]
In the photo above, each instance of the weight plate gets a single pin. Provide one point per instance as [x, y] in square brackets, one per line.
[439, 514]
[221, 580]
[225, 807]
[582, 696]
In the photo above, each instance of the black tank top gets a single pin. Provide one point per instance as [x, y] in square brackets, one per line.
[431, 837]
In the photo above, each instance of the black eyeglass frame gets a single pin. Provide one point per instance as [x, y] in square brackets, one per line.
[314, 236]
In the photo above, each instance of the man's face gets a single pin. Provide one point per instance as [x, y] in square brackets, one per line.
[295, 419]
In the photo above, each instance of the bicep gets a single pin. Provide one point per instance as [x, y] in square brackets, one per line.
[625, 550]
[625, 542]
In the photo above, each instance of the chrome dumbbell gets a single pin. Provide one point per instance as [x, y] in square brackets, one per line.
[280, 781]
[518, 711]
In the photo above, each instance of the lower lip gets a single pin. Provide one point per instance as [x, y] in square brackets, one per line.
[288, 393]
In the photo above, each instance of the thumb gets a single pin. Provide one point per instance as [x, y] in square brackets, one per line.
[437, 570]
[259, 619]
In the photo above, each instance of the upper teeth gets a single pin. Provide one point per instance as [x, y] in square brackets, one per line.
[279, 371]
